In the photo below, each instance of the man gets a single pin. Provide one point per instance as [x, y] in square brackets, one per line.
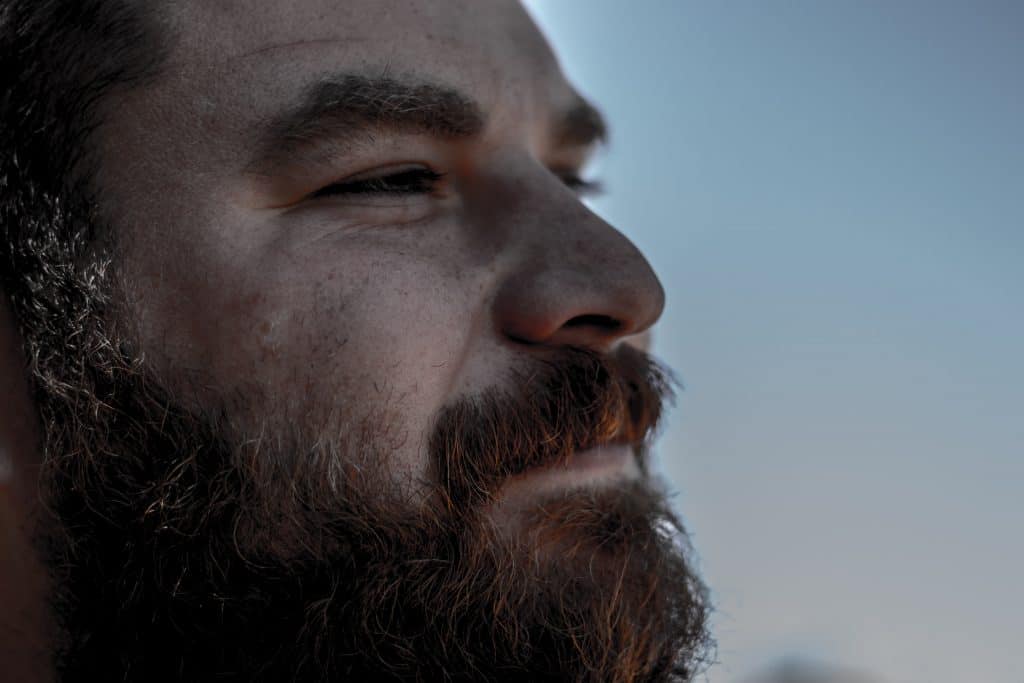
[332, 366]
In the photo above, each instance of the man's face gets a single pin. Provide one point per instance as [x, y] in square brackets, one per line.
[363, 207]
[362, 398]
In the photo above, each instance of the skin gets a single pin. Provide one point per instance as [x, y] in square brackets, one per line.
[342, 308]
[22, 587]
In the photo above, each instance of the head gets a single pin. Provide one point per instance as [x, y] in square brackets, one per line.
[333, 367]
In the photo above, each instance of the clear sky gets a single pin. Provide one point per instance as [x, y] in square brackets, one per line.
[833, 195]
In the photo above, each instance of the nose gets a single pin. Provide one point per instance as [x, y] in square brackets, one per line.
[574, 280]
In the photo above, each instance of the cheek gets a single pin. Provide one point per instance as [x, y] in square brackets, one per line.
[381, 343]
[336, 344]
[327, 336]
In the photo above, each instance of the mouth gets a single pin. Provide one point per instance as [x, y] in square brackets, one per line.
[597, 467]
[606, 460]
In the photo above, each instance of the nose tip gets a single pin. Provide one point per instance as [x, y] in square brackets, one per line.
[591, 294]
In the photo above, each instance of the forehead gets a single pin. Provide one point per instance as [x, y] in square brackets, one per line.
[371, 26]
[267, 50]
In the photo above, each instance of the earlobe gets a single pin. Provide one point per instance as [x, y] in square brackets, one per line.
[23, 621]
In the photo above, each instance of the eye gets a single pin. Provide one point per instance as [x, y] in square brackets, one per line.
[579, 185]
[402, 181]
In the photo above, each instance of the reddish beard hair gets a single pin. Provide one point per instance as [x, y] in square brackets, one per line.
[573, 401]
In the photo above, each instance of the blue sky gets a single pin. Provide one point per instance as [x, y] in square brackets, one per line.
[833, 195]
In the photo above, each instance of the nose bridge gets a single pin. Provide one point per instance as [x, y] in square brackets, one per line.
[581, 251]
[572, 278]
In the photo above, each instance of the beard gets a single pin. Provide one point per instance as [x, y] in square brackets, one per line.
[186, 544]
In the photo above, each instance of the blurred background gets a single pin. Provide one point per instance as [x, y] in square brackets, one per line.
[833, 195]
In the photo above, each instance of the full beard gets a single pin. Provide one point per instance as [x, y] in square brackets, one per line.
[186, 547]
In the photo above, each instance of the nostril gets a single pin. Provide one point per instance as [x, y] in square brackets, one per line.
[591, 320]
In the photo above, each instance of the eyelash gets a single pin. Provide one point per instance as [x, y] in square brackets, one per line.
[410, 181]
[581, 186]
[425, 181]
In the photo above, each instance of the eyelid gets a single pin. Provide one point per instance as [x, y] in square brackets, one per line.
[581, 186]
[588, 188]
[383, 172]
[421, 179]
[397, 179]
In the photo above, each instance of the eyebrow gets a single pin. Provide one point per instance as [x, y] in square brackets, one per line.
[340, 109]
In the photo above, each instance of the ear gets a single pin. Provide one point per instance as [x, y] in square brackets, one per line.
[24, 646]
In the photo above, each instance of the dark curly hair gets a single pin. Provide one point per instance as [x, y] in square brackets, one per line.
[58, 59]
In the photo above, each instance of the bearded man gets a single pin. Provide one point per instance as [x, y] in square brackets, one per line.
[332, 374]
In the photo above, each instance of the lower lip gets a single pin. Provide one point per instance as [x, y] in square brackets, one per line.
[602, 458]
[594, 467]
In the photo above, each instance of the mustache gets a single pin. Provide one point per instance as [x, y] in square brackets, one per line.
[571, 402]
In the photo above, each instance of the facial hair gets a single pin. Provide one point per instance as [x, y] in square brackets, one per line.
[186, 549]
